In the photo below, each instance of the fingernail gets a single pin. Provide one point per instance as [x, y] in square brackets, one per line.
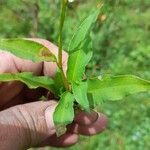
[49, 117]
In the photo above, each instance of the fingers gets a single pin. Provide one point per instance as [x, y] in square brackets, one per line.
[17, 100]
[28, 66]
[49, 68]
[46, 68]
[11, 89]
[87, 124]
[86, 118]
[26, 125]
[7, 63]
[32, 124]
[8, 91]
[10, 63]
[65, 140]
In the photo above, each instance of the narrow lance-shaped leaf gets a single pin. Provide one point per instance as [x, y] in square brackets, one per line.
[78, 60]
[27, 49]
[80, 49]
[64, 112]
[80, 94]
[29, 79]
[83, 31]
[113, 88]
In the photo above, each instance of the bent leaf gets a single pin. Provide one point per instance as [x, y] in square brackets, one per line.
[29, 79]
[64, 112]
[80, 49]
[80, 94]
[27, 49]
[112, 88]
[83, 31]
[77, 62]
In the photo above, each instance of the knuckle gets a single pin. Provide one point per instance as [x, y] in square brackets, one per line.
[24, 126]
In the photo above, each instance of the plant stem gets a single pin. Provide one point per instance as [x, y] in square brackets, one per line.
[66, 84]
[59, 63]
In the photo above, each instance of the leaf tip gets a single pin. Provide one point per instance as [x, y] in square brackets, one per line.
[60, 130]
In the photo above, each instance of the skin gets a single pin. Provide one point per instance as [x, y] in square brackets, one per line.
[26, 122]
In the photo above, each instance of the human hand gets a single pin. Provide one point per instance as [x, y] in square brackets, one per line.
[26, 123]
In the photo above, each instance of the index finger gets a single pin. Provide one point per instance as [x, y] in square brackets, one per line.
[12, 64]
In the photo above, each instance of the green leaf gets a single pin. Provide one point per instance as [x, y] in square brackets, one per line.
[80, 94]
[77, 62]
[80, 49]
[58, 84]
[43, 98]
[27, 49]
[83, 31]
[29, 79]
[64, 112]
[114, 88]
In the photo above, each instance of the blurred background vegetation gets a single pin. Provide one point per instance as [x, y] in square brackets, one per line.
[121, 44]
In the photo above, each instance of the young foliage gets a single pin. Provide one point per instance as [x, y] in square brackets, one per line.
[64, 112]
[78, 60]
[71, 87]
[80, 48]
[27, 49]
[80, 94]
[114, 88]
[83, 31]
[29, 79]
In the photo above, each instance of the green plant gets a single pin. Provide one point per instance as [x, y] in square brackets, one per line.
[77, 91]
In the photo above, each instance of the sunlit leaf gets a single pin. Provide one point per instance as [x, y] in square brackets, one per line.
[29, 79]
[112, 88]
[78, 60]
[27, 49]
[83, 31]
[80, 49]
[80, 94]
[64, 112]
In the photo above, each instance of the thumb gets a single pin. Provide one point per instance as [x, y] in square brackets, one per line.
[26, 125]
